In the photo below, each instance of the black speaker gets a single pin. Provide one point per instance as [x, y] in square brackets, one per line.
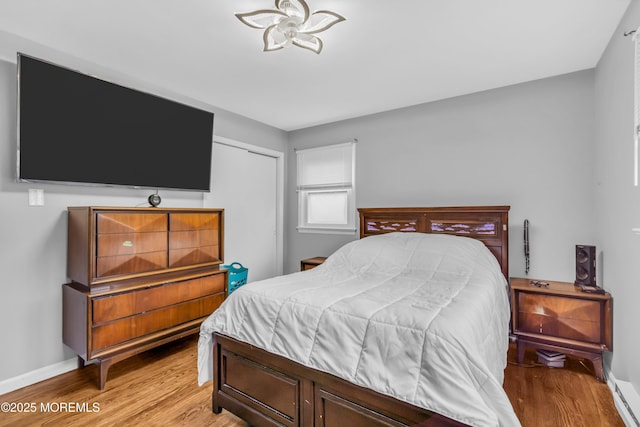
[585, 265]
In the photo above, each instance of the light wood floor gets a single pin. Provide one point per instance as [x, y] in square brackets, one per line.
[165, 393]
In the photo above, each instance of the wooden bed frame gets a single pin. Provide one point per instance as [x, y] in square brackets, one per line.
[269, 390]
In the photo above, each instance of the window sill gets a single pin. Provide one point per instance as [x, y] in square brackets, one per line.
[326, 230]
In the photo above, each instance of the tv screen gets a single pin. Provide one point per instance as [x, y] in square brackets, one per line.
[75, 128]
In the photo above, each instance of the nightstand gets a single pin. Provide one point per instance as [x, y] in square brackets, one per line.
[309, 263]
[560, 317]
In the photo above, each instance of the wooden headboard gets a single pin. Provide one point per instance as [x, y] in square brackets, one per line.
[489, 224]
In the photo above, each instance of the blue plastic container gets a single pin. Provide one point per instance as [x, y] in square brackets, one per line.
[237, 275]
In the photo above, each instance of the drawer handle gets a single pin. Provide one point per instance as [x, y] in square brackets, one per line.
[127, 244]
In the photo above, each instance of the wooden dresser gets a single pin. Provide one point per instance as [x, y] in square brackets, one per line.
[558, 316]
[141, 277]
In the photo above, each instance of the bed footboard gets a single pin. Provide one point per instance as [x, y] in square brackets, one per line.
[268, 390]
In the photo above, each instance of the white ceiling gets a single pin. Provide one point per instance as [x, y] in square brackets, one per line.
[386, 55]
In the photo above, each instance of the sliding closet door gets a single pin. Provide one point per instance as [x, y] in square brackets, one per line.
[245, 185]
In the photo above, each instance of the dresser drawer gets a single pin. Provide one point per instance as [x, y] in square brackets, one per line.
[191, 256]
[117, 222]
[129, 328]
[193, 239]
[193, 221]
[130, 243]
[113, 307]
[571, 318]
[130, 264]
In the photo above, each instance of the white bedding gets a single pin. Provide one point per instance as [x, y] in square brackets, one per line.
[420, 317]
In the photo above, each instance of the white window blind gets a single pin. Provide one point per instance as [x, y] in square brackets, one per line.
[326, 190]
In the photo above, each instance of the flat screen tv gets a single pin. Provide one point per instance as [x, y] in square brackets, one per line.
[75, 128]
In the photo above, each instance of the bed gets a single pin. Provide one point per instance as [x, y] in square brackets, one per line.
[406, 326]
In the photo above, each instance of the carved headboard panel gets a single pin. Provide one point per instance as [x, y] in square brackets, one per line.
[490, 224]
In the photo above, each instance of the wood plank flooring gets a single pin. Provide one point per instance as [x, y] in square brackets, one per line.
[553, 397]
[159, 388]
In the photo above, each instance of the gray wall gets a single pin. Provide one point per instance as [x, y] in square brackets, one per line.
[530, 146]
[33, 239]
[617, 200]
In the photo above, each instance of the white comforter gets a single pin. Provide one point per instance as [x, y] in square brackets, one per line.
[420, 317]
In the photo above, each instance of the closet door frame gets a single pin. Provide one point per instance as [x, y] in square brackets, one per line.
[279, 157]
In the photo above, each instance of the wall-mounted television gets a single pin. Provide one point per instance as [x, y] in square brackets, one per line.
[76, 128]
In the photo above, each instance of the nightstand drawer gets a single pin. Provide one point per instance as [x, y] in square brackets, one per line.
[561, 317]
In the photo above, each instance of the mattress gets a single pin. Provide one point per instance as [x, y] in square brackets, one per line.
[420, 317]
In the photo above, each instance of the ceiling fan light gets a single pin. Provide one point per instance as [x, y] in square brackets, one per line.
[291, 24]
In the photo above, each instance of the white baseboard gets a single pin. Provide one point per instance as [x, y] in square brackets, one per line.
[38, 375]
[626, 399]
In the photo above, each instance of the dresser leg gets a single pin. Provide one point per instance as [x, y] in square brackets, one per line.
[597, 367]
[103, 368]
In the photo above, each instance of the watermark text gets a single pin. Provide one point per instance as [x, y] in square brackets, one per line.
[49, 407]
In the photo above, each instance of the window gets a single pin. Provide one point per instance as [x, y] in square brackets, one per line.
[326, 189]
